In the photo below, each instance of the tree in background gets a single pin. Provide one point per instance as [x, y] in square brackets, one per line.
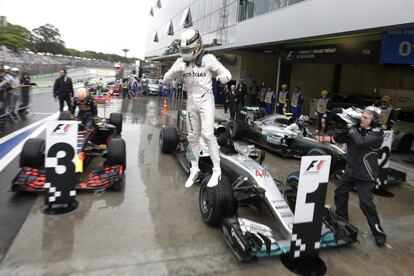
[16, 37]
[48, 39]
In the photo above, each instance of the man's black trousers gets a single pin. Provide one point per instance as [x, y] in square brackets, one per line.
[364, 190]
[62, 100]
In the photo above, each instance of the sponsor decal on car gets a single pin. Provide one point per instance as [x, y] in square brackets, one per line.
[272, 140]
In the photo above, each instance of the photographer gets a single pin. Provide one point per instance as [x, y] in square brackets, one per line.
[363, 141]
[5, 87]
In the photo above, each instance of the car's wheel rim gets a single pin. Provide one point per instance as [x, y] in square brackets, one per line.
[205, 200]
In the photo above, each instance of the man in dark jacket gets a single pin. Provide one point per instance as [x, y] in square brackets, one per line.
[63, 89]
[242, 91]
[234, 100]
[363, 144]
[26, 85]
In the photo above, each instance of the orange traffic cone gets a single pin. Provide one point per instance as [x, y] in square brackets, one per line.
[165, 106]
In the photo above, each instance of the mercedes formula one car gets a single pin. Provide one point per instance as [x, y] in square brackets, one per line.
[245, 182]
[98, 141]
[274, 134]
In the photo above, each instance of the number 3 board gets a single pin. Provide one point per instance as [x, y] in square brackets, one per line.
[60, 153]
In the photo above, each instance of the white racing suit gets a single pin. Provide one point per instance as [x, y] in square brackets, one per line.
[200, 106]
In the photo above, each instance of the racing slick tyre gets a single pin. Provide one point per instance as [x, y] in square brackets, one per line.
[317, 151]
[216, 203]
[411, 153]
[116, 153]
[65, 116]
[116, 120]
[33, 153]
[235, 129]
[168, 139]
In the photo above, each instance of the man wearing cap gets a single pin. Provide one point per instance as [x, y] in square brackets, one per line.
[282, 100]
[387, 113]
[323, 106]
[63, 89]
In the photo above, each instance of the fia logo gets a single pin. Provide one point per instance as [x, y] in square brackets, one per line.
[61, 128]
[315, 166]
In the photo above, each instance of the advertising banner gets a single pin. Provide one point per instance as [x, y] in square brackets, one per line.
[397, 47]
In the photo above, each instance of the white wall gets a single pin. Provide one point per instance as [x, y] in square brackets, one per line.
[322, 17]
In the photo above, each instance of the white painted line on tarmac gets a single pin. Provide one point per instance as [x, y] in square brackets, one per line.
[17, 149]
[17, 132]
[42, 113]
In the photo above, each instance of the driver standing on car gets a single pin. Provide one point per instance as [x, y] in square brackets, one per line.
[87, 107]
[363, 144]
[197, 68]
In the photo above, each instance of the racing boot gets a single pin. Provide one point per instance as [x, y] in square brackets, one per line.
[194, 171]
[215, 177]
[380, 240]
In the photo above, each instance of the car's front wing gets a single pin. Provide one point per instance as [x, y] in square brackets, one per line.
[33, 180]
[249, 240]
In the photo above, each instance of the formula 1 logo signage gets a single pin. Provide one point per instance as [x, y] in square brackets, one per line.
[315, 167]
[61, 147]
[310, 204]
[61, 128]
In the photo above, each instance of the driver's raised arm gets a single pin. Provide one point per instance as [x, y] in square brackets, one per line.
[223, 75]
[175, 71]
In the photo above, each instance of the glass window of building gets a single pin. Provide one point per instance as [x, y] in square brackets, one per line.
[216, 5]
[232, 12]
[207, 24]
[246, 8]
[208, 7]
[201, 8]
[194, 10]
[215, 20]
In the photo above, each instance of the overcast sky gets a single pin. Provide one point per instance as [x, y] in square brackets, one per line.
[98, 25]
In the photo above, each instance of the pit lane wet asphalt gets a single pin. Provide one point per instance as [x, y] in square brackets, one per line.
[153, 225]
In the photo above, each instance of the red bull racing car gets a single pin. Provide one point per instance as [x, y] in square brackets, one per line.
[100, 141]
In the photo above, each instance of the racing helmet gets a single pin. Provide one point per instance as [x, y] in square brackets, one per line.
[6, 67]
[324, 93]
[191, 44]
[82, 93]
[284, 86]
[375, 111]
[302, 120]
[15, 69]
